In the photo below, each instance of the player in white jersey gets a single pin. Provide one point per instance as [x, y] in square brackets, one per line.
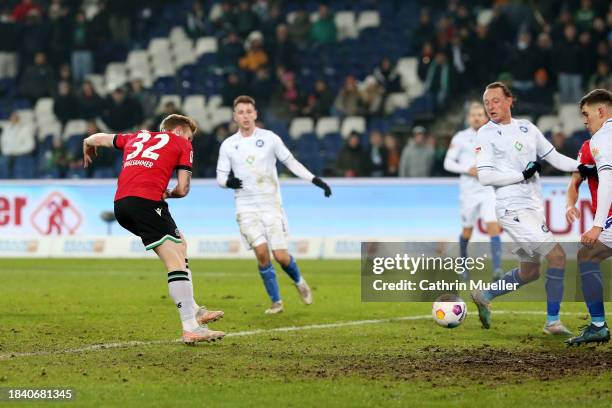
[247, 164]
[596, 109]
[507, 151]
[475, 199]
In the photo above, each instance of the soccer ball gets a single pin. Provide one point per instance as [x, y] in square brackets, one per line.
[449, 311]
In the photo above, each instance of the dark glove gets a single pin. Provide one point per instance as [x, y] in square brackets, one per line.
[587, 170]
[531, 169]
[233, 182]
[323, 185]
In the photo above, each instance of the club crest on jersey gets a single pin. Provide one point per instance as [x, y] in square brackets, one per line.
[259, 143]
[545, 228]
[523, 129]
[595, 151]
[518, 145]
[250, 159]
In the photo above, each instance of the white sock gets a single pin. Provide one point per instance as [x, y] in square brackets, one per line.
[181, 292]
[195, 305]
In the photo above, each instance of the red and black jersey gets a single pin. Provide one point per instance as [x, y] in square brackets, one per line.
[586, 157]
[149, 159]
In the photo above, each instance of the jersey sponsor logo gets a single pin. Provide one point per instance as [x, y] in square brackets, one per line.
[518, 145]
[478, 149]
[523, 129]
[250, 159]
[595, 151]
[158, 211]
[259, 143]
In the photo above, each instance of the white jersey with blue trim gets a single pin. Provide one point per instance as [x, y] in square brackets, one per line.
[601, 146]
[511, 147]
[462, 151]
[253, 160]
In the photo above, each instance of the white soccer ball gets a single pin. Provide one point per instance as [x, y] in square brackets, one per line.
[449, 311]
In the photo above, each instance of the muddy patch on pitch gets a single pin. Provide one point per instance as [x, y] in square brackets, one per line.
[484, 365]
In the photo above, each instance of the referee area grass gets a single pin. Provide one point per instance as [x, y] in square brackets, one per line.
[68, 323]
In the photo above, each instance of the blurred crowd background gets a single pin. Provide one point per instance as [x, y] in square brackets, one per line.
[364, 88]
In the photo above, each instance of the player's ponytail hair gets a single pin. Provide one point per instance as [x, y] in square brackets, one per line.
[597, 96]
[173, 121]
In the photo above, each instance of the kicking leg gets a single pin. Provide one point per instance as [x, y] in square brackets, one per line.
[268, 275]
[287, 262]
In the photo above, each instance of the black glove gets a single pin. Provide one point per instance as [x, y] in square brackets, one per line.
[587, 170]
[321, 184]
[233, 182]
[531, 169]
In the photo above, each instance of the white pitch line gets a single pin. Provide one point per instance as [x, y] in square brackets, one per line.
[128, 344]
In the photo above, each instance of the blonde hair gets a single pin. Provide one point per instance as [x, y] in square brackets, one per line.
[244, 99]
[173, 121]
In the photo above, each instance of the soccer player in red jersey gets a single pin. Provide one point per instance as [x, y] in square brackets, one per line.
[149, 159]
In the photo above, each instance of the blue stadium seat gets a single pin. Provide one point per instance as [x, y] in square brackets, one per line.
[5, 172]
[76, 173]
[74, 145]
[24, 167]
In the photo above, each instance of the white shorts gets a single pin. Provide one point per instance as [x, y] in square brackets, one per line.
[528, 229]
[606, 235]
[262, 227]
[478, 206]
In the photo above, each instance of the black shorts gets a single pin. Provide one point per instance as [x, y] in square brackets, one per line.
[148, 219]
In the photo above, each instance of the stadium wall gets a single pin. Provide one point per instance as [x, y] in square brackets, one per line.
[62, 218]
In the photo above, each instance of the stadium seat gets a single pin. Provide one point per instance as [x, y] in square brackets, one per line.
[48, 129]
[143, 73]
[137, 58]
[214, 102]
[116, 75]
[184, 56]
[352, 123]
[74, 127]
[98, 83]
[398, 100]
[43, 110]
[407, 69]
[206, 45]
[194, 103]
[345, 25]
[547, 123]
[571, 119]
[4, 168]
[168, 98]
[327, 125]
[177, 35]
[159, 46]
[299, 126]
[220, 116]
[24, 167]
[162, 68]
[368, 19]
[26, 115]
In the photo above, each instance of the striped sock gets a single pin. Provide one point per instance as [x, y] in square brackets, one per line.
[195, 305]
[181, 292]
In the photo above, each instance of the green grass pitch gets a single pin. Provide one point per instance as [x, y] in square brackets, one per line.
[106, 328]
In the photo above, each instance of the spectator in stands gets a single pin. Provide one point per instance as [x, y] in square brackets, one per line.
[18, 137]
[352, 161]
[169, 108]
[583, 18]
[120, 14]
[224, 17]
[246, 20]
[65, 104]
[348, 102]
[588, 56]
[543, 55]
[35, 37]
[567, 58]
[59, 40]
[440, 146]
[120, 112]
[600, 30]
[539, 100]
[372, 95]
[287, 101]
[320, 101]
[81, 43]
[377, 155]
[232, 88]
[101, 37]
[393, 156]
[387, 76]
[10, 38]
[255, 56]
[230, 51]
[425, 31]
[55, 160]
[602, 77]
[271, 22]
[260, 87]
[146, 99]
[282, 50]
[520, 62]
[89, 102]
[323, 31]
[25, 8]
[559, 141]
[438, 80]
[299, 29]
[104, 165]
[206, 150]
[417, 156]
[195, 21]
[427, 56]
[38, 80]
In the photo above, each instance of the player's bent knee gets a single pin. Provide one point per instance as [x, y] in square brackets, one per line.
[556, 258]
[529, 272]
[282, 257]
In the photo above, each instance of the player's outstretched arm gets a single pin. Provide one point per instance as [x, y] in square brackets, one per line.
[183, 186]
[491, 177]
[571, 212]
[302, 172]
[561, 162]
[91, 143]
